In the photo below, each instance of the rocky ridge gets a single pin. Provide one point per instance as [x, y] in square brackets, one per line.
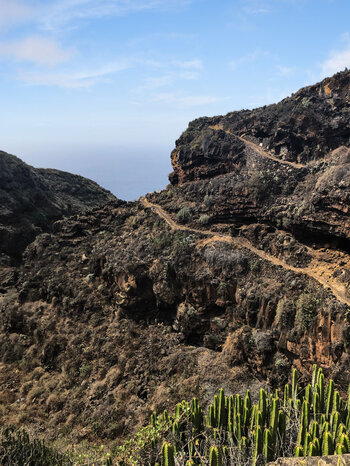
[32, 199]
[235, 272]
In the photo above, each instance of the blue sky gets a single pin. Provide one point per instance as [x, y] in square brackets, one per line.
[103, 88]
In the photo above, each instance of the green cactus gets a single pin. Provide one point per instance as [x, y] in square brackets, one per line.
[274, 421]
[258, 444]
[282, 424]
[294, 384]
[286, 395]
[221, 410]
[211, 420]
[334, 422]
[330, 395]
[321, 391]
[308, 394]
[343, 439]
[263, 404]
[168, 455]
[268, 446]
[314, 430]
[327, 444]
[314, 376]
[215, 458]
[312, 450]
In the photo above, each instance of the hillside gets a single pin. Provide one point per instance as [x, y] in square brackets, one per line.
[32, 199]
[233, 274]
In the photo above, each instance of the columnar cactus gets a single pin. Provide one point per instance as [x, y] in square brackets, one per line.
[168, 455]
[215, 458]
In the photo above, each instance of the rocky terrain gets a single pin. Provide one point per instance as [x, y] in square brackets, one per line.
[31, 200]
[235, 272]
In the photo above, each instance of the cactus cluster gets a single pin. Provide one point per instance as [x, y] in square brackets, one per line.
[16, 447]
[314, 419]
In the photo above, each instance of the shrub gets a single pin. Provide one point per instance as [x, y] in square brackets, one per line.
[306, 310]
[184, 215]
[204, 219]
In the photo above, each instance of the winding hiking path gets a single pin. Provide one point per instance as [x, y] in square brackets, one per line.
[312, 271]
[259, 149]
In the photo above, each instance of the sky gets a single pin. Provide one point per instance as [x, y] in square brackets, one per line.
[103, 88]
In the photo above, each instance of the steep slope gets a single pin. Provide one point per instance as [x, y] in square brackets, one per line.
[32, 199]
[235, 272]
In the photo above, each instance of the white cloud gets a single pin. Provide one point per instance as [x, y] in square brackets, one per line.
[12, 11]
[72, 80]
[39, 50]
[66, 11]
[191, 64]
[337, 61]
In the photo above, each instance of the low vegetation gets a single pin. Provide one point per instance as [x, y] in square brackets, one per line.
[293, 421]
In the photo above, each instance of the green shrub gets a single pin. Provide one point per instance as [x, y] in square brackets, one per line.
[184, 215]
[306, 310]
[204, 219]
[162, 242]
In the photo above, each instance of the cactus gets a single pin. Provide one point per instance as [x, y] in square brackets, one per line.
[196, 415]
[314, 430]
[282, 424]
[168, 455]
[211, 420]
[308, 394]
[327, 444]
[258, 444]
[221, 410]
[314, 376]
[215, 458]
[312, 450]
[334, 422]
[294, 385]
[263, 404]
[268, 447]
[330, 395]
[274, 421]
[343, 439]
[321, 390]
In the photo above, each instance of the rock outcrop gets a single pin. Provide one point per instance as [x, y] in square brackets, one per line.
[32, 199]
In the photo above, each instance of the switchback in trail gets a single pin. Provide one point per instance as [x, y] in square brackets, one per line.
[259, 149]
[318, 270]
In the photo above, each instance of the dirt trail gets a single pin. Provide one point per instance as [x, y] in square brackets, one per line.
[258, 149]
[318, 270]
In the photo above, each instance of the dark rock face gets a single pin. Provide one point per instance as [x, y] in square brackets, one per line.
[301, 128]
[286, 164]
[32, 199]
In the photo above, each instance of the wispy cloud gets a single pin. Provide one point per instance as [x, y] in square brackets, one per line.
[337, 61]
[195, 64]
[256, 7]
[38, 50]
[73, 80]
[12, 12]
[67, 11]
